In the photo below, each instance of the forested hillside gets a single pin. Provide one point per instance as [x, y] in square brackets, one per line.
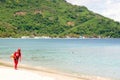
[54, 18]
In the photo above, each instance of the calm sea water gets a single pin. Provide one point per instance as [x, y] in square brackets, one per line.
[100, 57]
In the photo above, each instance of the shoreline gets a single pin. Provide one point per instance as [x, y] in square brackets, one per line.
[59, 38]
[57, 75]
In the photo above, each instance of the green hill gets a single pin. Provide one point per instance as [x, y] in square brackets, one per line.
[54, 18]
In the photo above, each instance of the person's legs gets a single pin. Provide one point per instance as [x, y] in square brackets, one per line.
[15, 64]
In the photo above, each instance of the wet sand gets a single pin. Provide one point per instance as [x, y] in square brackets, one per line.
[26, 72]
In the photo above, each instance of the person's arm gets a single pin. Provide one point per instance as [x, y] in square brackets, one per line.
[20, 57]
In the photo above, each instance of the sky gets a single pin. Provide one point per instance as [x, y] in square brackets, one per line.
[107, 8]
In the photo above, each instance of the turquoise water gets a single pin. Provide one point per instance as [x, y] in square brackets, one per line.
[99, 57]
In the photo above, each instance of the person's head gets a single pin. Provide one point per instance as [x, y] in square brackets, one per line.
[19, 49]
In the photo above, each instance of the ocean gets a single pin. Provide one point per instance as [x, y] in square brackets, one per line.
[98, 57]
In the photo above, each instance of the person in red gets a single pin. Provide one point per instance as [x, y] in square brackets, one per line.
[17, 57]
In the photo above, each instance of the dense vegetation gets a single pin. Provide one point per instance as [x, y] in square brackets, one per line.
[54, 18]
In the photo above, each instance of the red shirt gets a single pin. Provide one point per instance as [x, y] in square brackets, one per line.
[17, 55]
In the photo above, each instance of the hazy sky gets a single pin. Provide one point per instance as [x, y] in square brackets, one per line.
[108, 8]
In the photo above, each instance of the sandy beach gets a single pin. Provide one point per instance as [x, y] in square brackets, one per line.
[32, 73]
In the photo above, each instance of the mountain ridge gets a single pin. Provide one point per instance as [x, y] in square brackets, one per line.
[54, 18]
